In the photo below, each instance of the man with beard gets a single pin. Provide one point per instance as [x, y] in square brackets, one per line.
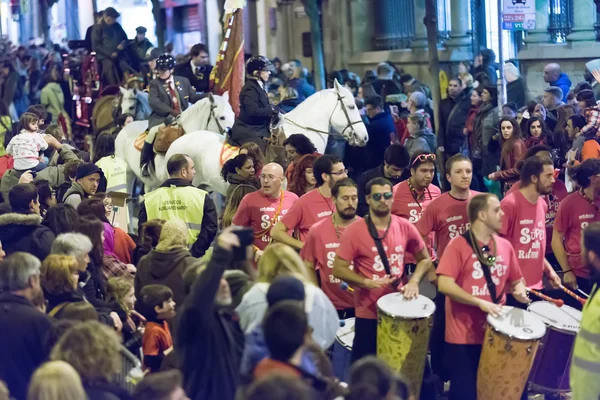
[208, 335]
[313, 206]
[323, 239]
[470, 294]
[577, 211]
[377, 247]
[446, 217]
[262, 210]
[413, 196]
[586, 359]
[24, 327]
[524, 223]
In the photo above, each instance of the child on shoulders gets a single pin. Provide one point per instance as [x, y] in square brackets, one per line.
[26, 146]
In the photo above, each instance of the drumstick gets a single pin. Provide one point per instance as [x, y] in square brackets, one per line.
[573, 295]
[587, 296]
[345, 286]
[556, 302]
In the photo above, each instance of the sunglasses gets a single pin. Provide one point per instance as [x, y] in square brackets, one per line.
[378, 196]
[424, 158]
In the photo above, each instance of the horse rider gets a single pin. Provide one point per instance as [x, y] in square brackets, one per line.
[140, 46]
[169, 96]
[256, 112]
[109, 41]
[149, 68]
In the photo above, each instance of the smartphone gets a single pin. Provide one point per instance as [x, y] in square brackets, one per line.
[246, 236]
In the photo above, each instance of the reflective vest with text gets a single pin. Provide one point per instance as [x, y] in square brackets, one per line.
[184, 202]
[115, 171]
[585, 366]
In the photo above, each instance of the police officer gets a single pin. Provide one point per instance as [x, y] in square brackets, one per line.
[177, 198]
[256, 112]
[169, 96]
[114, 168]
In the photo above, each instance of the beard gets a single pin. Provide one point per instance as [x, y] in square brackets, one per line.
[223, 299]
[381, 213]
[542, 190]
[347, 213]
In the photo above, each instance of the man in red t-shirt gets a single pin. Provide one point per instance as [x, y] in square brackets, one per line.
[469, 295]
[577, 211]
[313, 206]
[524, 223]
[375, 276]
[413, 196]
[446, 217]
[323, 240]
[262, 209]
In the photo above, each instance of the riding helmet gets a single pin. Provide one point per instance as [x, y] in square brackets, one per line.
[165, 62]
[258, 63]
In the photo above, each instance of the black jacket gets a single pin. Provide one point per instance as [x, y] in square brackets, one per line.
[106, 38]
[160, 100]
[255, 112]
[515, 93]
[199, 82]
[363, 207]
[210, 220]
[25, 232]
[453, 117]
[384, 87]
[75, 297]
[105, 391]
[22, 339]
[380, 129]
[208, 335]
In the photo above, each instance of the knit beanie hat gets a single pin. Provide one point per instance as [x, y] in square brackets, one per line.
[285, 288]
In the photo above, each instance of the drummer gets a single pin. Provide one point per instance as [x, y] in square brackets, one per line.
[586, 358]
[524, 223]
[377, 246]
[447, 218]
[470, 295]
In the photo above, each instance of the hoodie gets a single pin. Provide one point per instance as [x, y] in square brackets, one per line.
[165, 268]
[564, 83]
[423, 140]
[25, 232]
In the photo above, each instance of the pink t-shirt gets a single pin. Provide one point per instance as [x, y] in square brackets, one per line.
[465, 324]
[524, 226]
[574, 214]
[559, 193]
[447, 218]
[309, 209]
[407, 207]
[357, 245]
[319, 249]
[258, 212]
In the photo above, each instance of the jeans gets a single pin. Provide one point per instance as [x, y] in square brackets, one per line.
[463, 362]
[365, 338]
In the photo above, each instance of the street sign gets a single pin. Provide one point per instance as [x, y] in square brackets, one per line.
[518, 14]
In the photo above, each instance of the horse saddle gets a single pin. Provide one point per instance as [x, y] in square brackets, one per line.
[166, 136]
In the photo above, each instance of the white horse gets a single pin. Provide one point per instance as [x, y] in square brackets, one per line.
[213, 113]
[135, 102]
[323, 112]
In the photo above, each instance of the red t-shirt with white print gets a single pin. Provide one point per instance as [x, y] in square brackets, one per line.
[465, 324]
[357, 245]
[308, 210]
[524, 225]
[319, 249]
[258, 211]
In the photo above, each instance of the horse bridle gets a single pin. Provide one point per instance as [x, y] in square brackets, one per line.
[340, 100]
[213, 106]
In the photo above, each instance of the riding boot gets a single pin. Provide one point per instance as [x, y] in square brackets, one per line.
[146, 158]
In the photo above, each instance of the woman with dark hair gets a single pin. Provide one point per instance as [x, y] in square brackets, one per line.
[117, 242]
[560, 137]
[513, 150]
[233, 202]
[486, 152]
[148, 238]
[296, 146]
[13, 90]
[303, 179]
[536, 132]
[540, 111]
[114, 168]
[239, 171]
[47, 196]
[371, 378]
[256, 154]
[61, 218]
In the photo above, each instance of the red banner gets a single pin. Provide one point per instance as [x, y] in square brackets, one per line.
[228, 73]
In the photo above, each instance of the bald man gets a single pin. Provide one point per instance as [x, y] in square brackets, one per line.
[555, 77]
[262, 210]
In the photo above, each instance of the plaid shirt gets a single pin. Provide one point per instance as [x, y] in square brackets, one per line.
[111, 267]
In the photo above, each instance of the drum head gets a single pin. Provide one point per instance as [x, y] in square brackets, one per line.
[345, 334]
[563, 318]
[395, 305]
[518, 324]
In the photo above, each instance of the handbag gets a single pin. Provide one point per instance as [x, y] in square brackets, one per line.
[165, 136]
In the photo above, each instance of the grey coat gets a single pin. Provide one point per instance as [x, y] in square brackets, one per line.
[160, 100]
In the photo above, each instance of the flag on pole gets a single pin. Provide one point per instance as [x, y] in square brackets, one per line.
[228, 74]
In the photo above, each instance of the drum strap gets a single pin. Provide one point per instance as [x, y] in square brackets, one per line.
[379, 245]
[484, 267]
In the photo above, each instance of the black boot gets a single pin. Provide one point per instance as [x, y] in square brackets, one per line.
[146, 158]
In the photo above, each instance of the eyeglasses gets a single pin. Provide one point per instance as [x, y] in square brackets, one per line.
[340, 173]
[378, 196]
[424, 158]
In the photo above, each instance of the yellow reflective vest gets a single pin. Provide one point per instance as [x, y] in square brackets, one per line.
[585, 366]
[181, 202]
[115, 171]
